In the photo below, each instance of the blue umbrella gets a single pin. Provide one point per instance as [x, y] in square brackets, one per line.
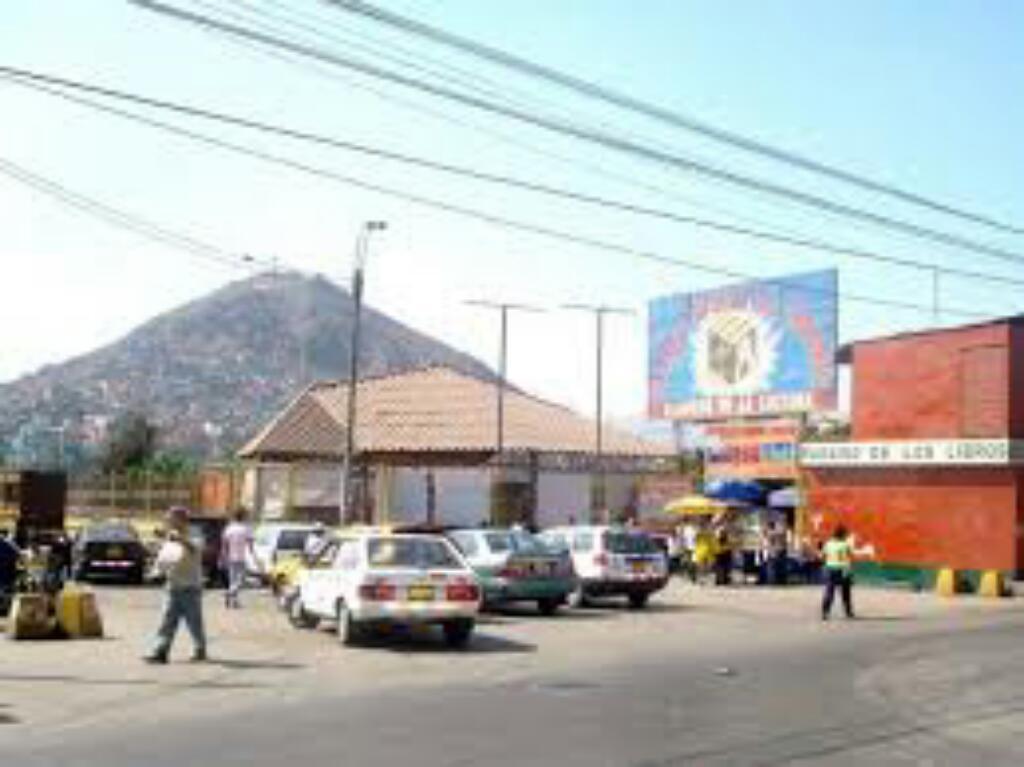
[741, 490]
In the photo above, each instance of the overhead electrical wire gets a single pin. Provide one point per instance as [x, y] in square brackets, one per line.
[319, 69]
[21, 77]
[582, 133]
[660, 114]
[124, 220]
[477, 214]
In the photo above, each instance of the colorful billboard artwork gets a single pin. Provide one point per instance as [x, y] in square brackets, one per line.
[758, 348]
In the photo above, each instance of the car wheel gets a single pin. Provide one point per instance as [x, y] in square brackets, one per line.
[348, 629]
[548, 605]
[458, 632]
[638, 601]
[299, 617]
[577, 598]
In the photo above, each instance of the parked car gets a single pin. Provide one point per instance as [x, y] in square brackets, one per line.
[284, 576]
[209, 531]
[10, 557]
[275, 542]
[515, 566]
[668, 544]
[109, 550]
[378, 578]
[612, 561]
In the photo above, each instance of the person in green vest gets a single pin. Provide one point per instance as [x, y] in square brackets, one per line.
[838, 554]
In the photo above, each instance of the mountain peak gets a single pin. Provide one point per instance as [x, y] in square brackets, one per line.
[230, 359]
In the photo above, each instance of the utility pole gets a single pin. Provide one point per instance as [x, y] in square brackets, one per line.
[599, 499]
[347, 496]
[503, 309]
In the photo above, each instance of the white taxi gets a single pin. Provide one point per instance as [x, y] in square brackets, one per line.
[382, 578]
[611, 561]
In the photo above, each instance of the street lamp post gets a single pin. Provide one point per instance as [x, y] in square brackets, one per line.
[501, 384]
[362, 240]
[599, 497]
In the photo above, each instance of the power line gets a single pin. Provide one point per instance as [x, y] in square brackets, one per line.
[591, 168]
[19, 76]
[595, 137]
[660, 114]
[121, 218]
[491, 218]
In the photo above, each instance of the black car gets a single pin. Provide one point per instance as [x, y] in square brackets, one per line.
[109, 551]
[9, 555]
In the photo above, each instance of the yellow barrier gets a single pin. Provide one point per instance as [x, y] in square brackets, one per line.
[946, 582]
[78, 614]
[30, 617]
[991, 584]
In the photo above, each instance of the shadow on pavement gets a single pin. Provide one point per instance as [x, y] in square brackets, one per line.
[253, 665]
[129, 682]
[432, 642]
[508, 616]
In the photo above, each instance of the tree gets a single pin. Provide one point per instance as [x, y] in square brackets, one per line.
[130, 445]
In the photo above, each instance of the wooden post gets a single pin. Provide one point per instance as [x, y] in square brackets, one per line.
[289, 493]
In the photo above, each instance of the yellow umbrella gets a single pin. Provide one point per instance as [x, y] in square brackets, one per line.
[695, 505]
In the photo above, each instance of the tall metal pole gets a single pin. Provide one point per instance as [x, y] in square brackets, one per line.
[600, 502]
[503, 310]
[502, 377]
[600, 491]
[347, 510]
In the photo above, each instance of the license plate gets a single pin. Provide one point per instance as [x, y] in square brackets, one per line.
[421, 593]
[114, 552]
[639, 567]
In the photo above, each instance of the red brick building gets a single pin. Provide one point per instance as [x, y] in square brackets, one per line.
[934, 473]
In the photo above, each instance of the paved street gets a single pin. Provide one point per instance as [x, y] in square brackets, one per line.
[740, 676]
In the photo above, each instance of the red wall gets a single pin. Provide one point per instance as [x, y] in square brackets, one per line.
[921, 387]
[1017, 382]
[963, 518]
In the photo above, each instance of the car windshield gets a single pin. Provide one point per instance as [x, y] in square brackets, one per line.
[498, 542]
[411, 553]
[525, 543]
[629, 543]
[119, 533]
[292, 540]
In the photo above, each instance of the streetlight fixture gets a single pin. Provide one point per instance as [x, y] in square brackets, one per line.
[599, 499]
[362, 242]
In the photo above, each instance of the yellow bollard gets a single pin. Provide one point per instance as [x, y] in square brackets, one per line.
[78, 614]
[30, 617]
[945, 584]
[991, 584]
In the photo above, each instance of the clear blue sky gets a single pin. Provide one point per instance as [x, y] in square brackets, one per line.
[923, 95]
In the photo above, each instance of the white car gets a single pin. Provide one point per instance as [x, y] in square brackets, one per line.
[274, 541]
[381, 578]
[612, 561]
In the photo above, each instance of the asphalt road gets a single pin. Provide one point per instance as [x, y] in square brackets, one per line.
[948, 693]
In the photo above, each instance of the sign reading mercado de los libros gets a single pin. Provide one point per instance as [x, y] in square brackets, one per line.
[756, 349]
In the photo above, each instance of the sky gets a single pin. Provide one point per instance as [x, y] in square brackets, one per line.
[925, 96]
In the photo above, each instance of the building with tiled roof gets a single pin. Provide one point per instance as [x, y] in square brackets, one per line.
[427, 439]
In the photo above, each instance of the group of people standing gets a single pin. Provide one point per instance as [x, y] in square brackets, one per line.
[708, 549]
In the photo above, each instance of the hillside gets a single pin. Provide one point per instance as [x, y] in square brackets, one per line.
[212, 371]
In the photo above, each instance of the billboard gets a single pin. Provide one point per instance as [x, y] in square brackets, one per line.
[762, 449]
[754, 349]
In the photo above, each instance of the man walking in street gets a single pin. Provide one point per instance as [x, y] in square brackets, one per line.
[236, 544]
[180, 562]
